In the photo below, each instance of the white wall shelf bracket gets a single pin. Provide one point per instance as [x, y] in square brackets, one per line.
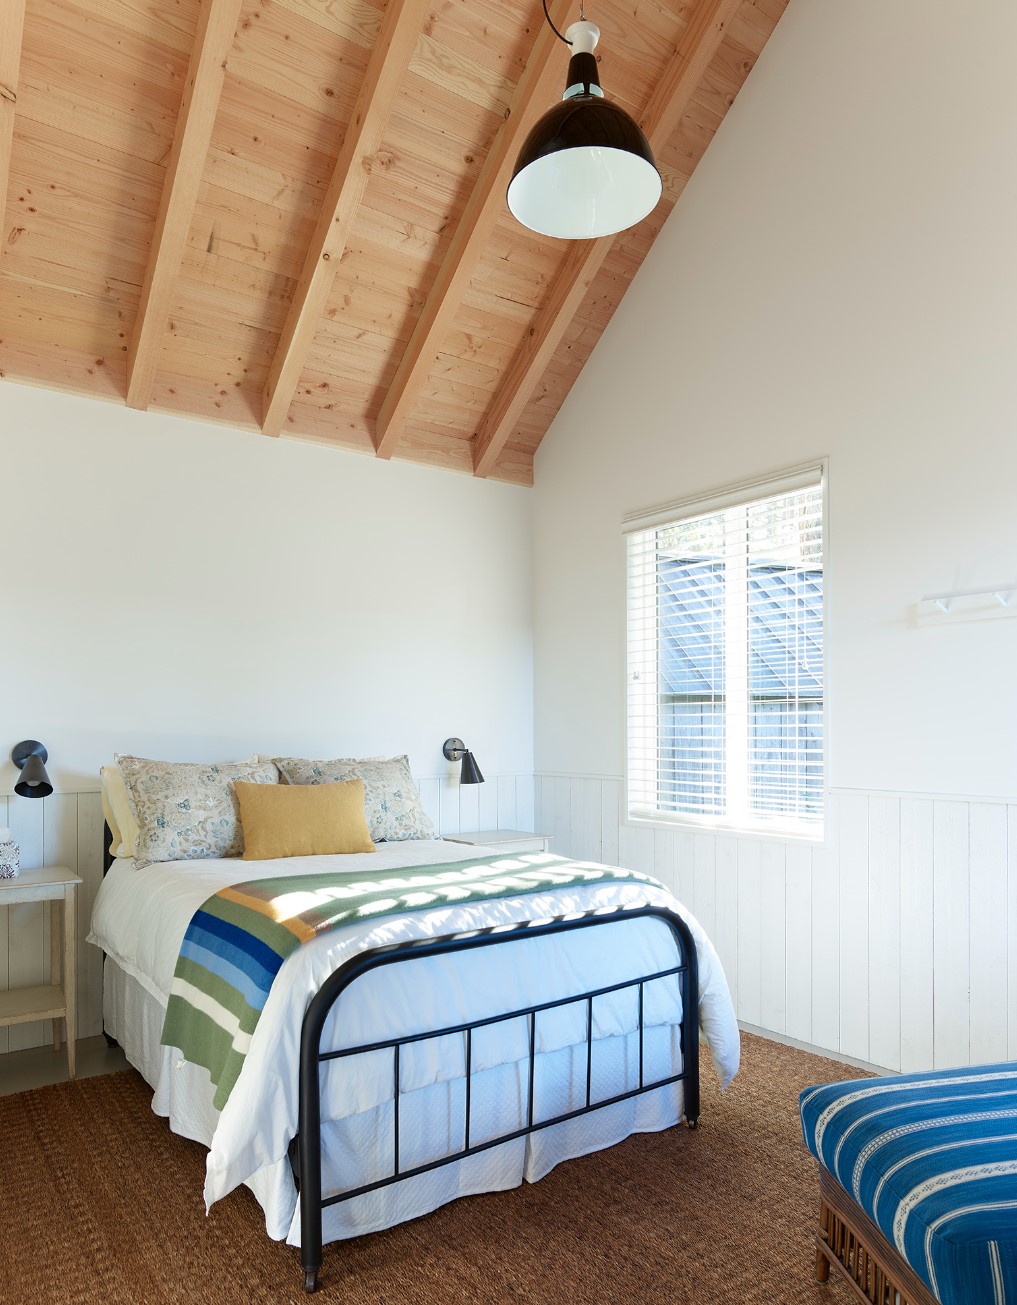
[1003, 595]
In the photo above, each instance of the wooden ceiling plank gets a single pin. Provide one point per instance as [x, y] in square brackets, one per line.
[12, 26]
[535, 92]
[217, 25]
[400, 31]
[700, 42]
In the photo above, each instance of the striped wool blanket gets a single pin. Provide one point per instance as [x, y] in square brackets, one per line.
[932, 1160]
[238, 939]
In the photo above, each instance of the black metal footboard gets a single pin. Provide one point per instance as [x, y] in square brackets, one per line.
[306, 1149]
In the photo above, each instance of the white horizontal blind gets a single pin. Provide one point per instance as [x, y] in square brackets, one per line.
[725, 663]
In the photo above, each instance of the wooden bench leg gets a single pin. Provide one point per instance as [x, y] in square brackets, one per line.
[822, 1268]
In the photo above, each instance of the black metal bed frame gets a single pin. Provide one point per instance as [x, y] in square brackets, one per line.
[305, 1148]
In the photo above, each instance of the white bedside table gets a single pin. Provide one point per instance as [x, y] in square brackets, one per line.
[505, 840]
[57, 1000]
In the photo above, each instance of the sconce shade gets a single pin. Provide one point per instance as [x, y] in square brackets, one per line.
[585, 169]
[456, 750]
[30, 757]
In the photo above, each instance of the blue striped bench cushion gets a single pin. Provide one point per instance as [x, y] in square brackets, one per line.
[932, 1160]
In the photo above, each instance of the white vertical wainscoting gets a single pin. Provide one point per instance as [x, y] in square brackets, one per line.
[66, 829]
[894, 944]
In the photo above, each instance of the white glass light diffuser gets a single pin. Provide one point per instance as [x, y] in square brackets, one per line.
[586, 169]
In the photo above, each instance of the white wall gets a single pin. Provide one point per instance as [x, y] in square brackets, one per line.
[839, 279]
[186, 591]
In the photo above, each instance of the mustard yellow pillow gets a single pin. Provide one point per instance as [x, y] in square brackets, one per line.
[302, 819]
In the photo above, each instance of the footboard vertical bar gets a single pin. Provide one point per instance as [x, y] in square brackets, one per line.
[309, 1151]
[533, 1052]
[589, 1047]
[395, 1116]
[469, 1080]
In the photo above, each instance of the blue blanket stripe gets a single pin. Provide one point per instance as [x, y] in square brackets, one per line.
[234, 955]
[254, 994]
[245, 943]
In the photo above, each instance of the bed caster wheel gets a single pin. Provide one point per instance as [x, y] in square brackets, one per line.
[692, 1123]
[310, 1280]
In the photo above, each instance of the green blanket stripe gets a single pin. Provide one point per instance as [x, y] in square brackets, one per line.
[347, 897]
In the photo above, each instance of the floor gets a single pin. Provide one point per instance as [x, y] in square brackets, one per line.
[39, 1066]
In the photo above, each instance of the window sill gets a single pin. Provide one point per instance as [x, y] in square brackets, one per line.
[819, 838]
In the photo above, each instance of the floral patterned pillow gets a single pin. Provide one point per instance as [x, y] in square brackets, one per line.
[391, 800]
[187, 811]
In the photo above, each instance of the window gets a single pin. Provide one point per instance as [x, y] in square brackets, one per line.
[725, 660]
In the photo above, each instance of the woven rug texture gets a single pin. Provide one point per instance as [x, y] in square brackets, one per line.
[100, 1204]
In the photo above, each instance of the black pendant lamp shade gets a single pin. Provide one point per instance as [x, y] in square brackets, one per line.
[586, 169]
[30, 757]
[456, 750]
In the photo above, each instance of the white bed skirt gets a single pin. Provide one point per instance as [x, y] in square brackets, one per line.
[358, 1148]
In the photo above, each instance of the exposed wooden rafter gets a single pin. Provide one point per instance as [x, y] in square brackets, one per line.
[217, 25]
[12, 25]
[386, 70]
[541, 83]
[670, 99]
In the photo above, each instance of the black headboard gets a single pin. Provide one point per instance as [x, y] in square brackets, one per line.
[107, 847]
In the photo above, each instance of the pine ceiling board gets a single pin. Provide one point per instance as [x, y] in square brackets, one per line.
[331, 427]
[68, 61]
[66, 235]
[462, 369]
[379, 309]
[755, 21]
[251, 179]
[45, 314]
[454, 405]
[432, 446]
[264, 239]
[462, 74]
[57, 368]
[188, 396]
[358, 21]
[271, 132]
[300, 60]
[411, 245]
[491, 34]
[170, 25]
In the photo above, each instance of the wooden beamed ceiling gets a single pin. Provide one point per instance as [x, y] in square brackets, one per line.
[289, 215]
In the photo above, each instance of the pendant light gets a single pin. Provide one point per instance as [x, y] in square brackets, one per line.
[586, 169]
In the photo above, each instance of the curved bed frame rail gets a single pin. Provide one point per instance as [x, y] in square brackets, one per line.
[305, 1151]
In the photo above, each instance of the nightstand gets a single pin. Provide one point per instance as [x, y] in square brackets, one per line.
[57, 1000]
[505, 840]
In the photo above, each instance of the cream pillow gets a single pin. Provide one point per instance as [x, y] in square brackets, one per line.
[302, 819]
[391, 801]
[116, 807]
[187, 811]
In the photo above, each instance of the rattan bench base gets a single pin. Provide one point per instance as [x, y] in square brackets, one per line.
[850, 1243]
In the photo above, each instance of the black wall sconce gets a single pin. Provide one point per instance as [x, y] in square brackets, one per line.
[30, 757]
[456, 750]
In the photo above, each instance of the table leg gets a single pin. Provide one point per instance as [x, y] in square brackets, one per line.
[54, 960]
[70, 972]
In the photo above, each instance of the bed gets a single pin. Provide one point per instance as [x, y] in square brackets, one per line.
[404, 1061]
[918, 1185]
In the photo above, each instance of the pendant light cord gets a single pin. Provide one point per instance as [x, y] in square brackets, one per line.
[552, 26]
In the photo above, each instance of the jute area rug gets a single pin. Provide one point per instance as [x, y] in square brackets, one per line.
[100, 1203]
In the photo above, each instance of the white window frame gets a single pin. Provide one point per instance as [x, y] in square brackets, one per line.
[745, 492]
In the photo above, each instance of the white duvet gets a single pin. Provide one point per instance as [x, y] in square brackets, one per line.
[140, 918]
